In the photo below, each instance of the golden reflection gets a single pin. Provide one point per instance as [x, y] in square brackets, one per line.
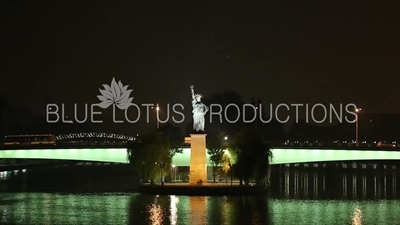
[357, 217]
[156, 214]
[174, 210]
[198, 207]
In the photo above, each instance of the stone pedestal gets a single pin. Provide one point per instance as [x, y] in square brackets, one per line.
[198, 160]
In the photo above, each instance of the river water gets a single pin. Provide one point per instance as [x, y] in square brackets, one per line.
[298, 198]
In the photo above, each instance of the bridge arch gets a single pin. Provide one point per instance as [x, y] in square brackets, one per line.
[72, 136]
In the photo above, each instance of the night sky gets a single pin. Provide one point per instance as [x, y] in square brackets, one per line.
[281, 52]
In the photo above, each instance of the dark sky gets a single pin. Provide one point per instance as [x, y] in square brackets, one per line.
[282, 52]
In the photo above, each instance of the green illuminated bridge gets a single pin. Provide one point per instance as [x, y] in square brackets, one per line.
[281, 155]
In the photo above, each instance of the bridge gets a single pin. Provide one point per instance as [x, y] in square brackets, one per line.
[85, 135]
[100, 138]
[281, 155]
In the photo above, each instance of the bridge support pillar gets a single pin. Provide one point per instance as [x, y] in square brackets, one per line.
[198, 160]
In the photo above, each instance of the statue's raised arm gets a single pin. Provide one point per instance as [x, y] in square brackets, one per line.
[192, 90]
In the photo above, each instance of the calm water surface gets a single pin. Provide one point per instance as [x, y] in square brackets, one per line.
[123, 208]
[301, 198]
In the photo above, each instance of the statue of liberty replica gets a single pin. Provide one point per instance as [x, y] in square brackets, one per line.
[199, 111]
[198, 161]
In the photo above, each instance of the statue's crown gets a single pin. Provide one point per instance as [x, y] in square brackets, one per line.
[198, 95]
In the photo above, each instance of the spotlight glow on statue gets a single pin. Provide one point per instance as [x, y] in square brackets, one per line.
[199, 111]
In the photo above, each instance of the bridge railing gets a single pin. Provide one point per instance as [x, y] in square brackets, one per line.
[94, 135]
[276, 144]
[362, 144]
[369, 145]
[92, 143]
[123, 143]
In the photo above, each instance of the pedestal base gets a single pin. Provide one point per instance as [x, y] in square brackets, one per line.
[198, 160]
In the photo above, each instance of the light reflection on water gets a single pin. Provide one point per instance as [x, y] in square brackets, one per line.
[301, 198]
[156, 214]
[357, 216]
[42, 208]
[174, 210]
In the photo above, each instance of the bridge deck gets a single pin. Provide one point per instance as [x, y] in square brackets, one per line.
[16, 147]
[119, 154]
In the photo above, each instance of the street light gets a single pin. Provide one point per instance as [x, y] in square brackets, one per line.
[158, 121]
[358, 110]
[157, 115]
[173, 167]
[50, 109]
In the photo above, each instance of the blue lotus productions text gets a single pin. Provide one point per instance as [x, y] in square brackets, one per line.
[216, 113]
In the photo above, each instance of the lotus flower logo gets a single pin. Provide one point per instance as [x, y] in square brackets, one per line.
[116, 94]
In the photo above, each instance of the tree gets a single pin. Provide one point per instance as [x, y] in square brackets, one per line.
[150, 158]
[174, 136]
[229, 158]
[253, 156]
[216, 146]
[226, 162]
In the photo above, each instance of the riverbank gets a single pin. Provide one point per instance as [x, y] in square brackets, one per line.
[203, 190]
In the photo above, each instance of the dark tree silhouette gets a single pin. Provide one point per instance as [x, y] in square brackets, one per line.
[253, 156]
[174, 135]
[147, 156]
[220, 101]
